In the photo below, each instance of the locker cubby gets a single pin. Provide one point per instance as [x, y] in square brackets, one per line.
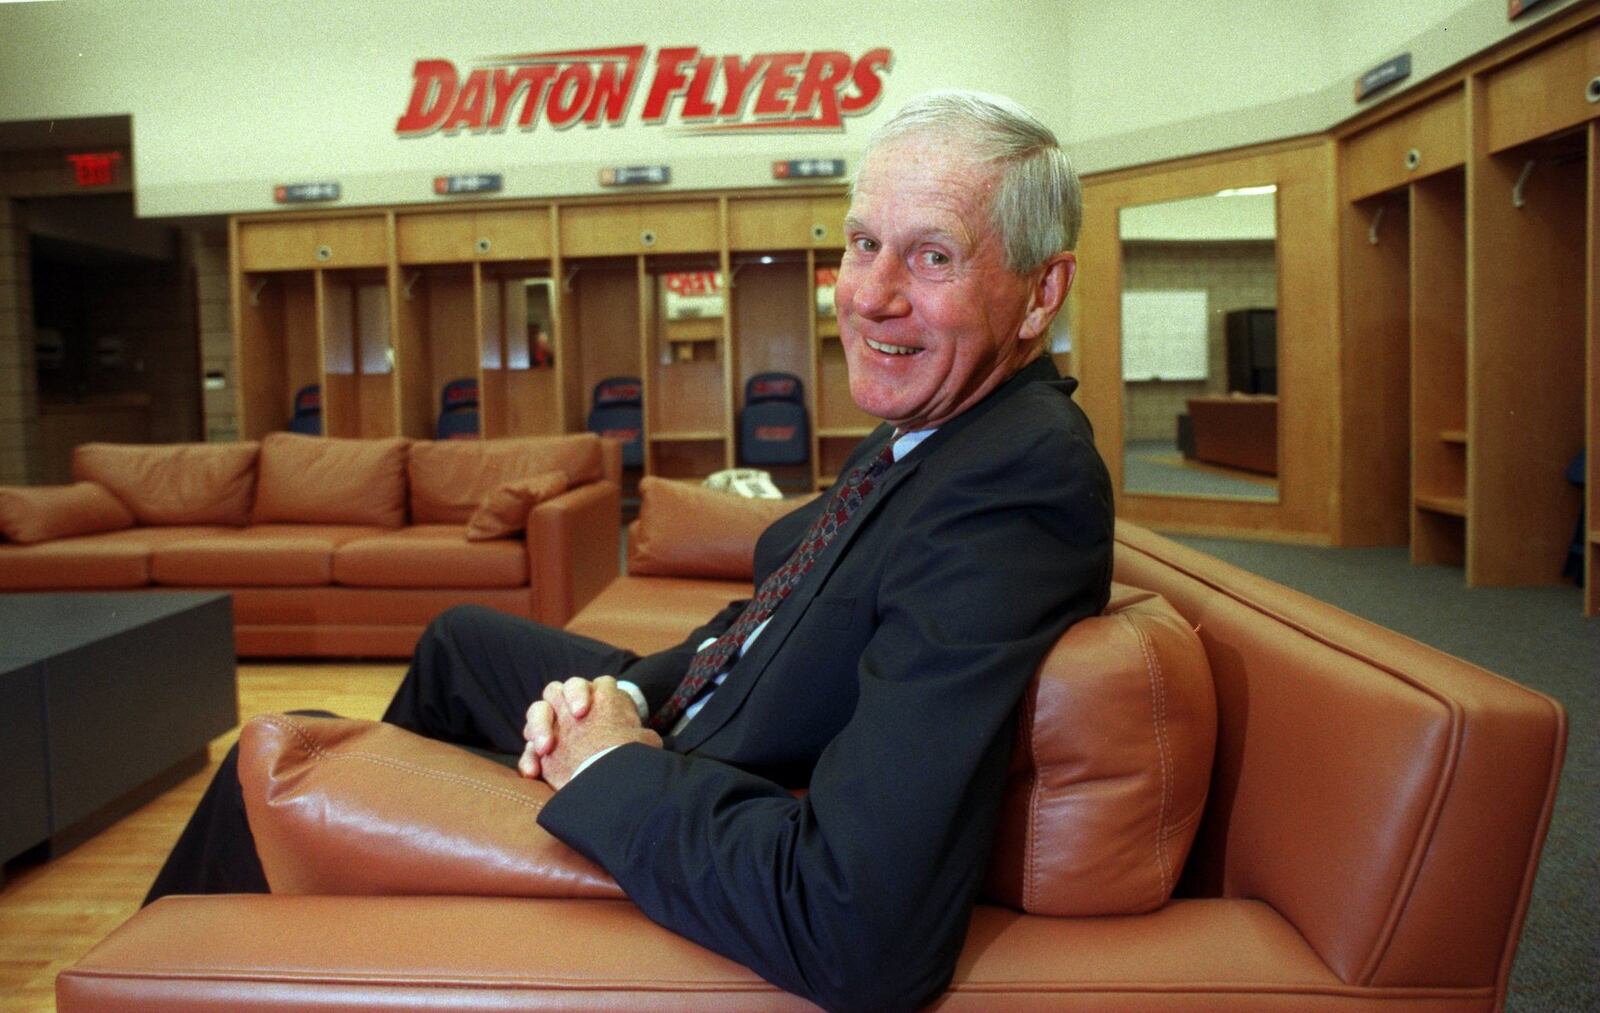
[358, 395]
[436, 344]
[520, 392]
[600, 326]
[1525, 418]
[1438, 325]
[770, 300]
[687, 408]
[278, 347]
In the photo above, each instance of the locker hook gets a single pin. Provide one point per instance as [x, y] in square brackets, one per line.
[1372, 230]
[411, 283]
[255, 290]
[566, 280]
[1517, 199]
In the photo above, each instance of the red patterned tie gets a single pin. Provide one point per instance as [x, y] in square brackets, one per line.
[855, 488]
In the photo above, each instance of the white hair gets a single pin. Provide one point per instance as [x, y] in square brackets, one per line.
[1038, 207]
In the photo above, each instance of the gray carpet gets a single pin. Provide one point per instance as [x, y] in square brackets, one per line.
[1157, 466]
[1536, 636]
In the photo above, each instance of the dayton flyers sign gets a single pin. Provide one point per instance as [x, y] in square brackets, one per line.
[703, 93]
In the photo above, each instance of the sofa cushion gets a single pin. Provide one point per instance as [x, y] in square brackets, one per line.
[361, 807]
[504, 511]
[263, 555]
[111, 559]
[450, 478]
[325, 480]
[174, 483]
[430, 555]
[1111, 765]
[686, 530]
[39, 513]
[647, 614]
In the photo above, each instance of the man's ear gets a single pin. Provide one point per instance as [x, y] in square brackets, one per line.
[1048, 294]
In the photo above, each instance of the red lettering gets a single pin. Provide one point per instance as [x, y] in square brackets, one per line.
[468, 110]
[569, 95]
[738, 78]
[825, 75]
[432, 92]
[611, 92]
[793, 91]
[538, 78]
[777, 84]
[506, 87]
[669, 81]
[695, 104]
[869, 85]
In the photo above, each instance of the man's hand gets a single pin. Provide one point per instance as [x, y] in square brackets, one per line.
[575, 720]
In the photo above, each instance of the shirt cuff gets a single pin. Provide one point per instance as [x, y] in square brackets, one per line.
[585, 764]
[639, 701]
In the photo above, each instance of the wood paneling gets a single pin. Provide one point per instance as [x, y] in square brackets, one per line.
[447, 237]
[771, 305]
[1308, 345]
[1374, 283]
[1430, 138]
[1591, 534]
[664, 227]
[604, 312]
[1543, 92]
[786, 223]
[266, 245]
[1526, 294]
[1438, 338]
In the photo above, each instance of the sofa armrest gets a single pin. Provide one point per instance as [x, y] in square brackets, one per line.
[574, 549]
[1389, 800]
[210, 953]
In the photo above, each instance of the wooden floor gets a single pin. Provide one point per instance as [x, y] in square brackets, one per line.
[53, 912]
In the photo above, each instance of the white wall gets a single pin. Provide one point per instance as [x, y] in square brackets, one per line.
[229, 97]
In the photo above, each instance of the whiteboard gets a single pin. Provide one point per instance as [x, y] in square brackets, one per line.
[1164, 335]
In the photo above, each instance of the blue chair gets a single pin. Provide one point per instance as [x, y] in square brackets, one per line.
[618, 414]
[458, 411]
[773, 428]
[307, 417]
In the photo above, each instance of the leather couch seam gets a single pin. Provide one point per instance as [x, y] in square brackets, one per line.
[1158, 706]
[322, 753]
[1035, 790]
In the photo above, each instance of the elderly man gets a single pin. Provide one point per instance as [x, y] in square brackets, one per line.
[897, 620]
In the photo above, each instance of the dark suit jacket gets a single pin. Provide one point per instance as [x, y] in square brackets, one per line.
[886, 684]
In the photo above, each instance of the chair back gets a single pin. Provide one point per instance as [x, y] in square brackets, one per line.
[773, 428]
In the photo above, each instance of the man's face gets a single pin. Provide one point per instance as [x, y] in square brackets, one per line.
[930, 317]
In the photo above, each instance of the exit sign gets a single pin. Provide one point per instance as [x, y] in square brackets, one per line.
[95, 168]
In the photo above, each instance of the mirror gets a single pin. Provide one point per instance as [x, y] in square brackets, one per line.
[1199, 345]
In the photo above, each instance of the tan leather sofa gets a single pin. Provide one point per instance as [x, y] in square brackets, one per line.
[1367, 835]
[330, 547]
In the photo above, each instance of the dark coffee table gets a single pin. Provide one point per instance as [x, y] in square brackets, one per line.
[106, 699]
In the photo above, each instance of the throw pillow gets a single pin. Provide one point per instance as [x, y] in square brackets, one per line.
[30, 514]
[504, 511]
[687, 530]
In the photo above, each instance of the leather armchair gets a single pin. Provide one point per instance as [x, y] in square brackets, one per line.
[1369, 837]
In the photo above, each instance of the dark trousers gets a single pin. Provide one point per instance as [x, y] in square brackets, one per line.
[472, 678]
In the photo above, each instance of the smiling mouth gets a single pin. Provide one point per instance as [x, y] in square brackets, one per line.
[887, 349]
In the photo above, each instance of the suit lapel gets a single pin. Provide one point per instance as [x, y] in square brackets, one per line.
[727, 699]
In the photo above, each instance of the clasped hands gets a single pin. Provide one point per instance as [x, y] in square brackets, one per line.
[575, 720]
